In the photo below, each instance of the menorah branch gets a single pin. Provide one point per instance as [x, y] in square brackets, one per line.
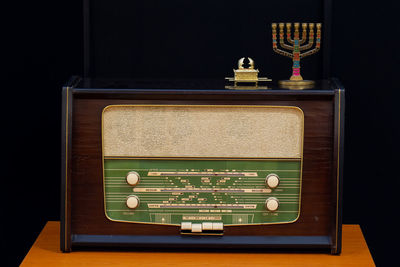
[307, 46]
[309, 53]
[283, 53]
[282, 37]
[288, 32]
[281, 40]
[304, 34]
[311, 42]
[283, 45]
[310, 39]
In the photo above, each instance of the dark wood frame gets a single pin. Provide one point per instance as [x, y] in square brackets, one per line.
[305, 240]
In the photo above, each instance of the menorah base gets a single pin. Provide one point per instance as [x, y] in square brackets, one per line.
[291, 84]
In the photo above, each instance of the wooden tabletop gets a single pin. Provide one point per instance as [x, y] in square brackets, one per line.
[46, 252]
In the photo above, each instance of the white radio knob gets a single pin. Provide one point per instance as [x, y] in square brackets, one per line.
[132, 202]
[272, 180]
[132, 178]
[272, 204]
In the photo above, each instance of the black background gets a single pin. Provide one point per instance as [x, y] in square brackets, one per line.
[192, 39]
[42, 46]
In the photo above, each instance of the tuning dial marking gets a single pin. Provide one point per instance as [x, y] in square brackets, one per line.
[132, 178]
[272, 180]
[132, 202]
[272, 204]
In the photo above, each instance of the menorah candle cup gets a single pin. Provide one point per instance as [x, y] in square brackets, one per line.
[296, 48]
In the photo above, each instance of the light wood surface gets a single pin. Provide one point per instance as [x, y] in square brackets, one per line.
[46, 252]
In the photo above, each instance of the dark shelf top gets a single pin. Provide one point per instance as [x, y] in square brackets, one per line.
[203, 85]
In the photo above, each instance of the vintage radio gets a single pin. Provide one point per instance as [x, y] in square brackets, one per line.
[175, 164]
[202, 163]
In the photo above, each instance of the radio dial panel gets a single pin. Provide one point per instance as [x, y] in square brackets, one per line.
[159, 177]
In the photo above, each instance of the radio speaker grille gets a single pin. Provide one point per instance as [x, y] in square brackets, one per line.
[202, 131]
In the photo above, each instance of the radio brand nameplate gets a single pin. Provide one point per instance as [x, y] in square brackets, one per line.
[206, 179]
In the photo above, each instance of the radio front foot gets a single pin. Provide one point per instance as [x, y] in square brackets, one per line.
[205, 228]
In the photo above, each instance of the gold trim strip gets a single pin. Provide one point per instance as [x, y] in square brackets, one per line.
[199, 158]
[200, 106]
[338, 178]
[66, 171]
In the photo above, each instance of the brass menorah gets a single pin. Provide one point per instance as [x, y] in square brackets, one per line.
[295, 46]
